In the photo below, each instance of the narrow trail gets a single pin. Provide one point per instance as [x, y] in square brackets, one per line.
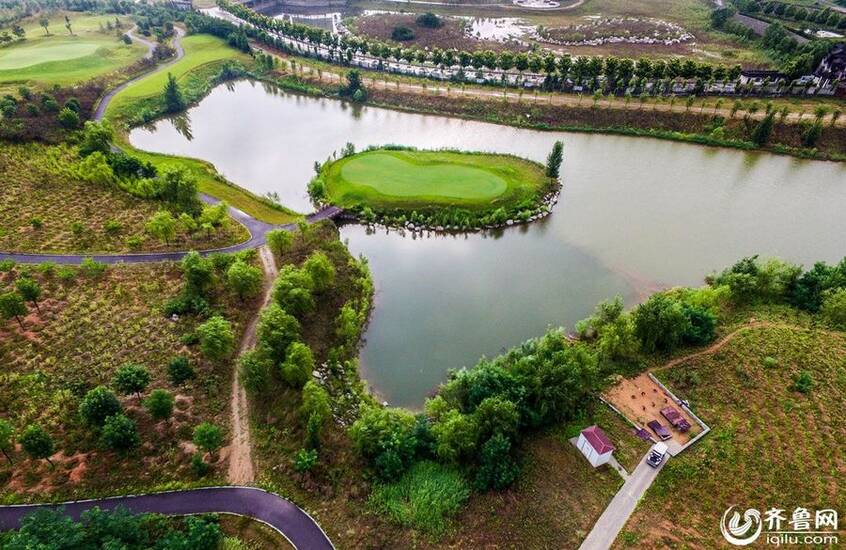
[721, 343]
[240, 456]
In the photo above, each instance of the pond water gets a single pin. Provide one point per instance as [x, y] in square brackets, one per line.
[635, 215]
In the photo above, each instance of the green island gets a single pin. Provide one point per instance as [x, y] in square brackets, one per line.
[435, 188]
[197, 370]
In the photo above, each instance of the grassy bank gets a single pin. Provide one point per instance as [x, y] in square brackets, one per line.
[196, 73]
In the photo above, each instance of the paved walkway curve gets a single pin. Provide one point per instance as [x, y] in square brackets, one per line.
[280, 514]
[100, 111]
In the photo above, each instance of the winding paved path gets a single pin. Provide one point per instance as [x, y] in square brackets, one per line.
[282, 515]
[258, 229]
[100, 111]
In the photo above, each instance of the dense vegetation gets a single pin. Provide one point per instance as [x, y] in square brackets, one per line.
[320, 303]
[113, 529]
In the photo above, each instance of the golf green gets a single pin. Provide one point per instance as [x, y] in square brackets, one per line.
[386, 178]
[44, 53]
[390, 174]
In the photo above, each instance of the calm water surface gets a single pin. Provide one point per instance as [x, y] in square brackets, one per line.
[635, 214]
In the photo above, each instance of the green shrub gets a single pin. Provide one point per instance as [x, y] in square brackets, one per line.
[119, 433]
[131, 378]
[770, 362]
[98, 405]
[159, 404]
[661, 323]
[385, 436]
[701, 327]
[305, 460]
[208, 437]
[424, 498]
[277, 330]
[298, 365]
[803, 383]
[91, 268]
[217, 338]
[179, 370]
[834, 308]
[254, 369]
[199, 466]
[292, 291]
[402, 34]
[279, 241]
[497, 469]
[320, 270]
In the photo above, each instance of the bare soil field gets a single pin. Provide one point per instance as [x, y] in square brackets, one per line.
[641, 400]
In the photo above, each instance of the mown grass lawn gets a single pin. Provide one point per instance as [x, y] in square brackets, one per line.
[771, 445]
[409, 179]
[65, 59]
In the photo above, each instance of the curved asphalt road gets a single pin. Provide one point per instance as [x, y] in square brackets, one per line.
[100, 111]
[257, 229]
[288, 519]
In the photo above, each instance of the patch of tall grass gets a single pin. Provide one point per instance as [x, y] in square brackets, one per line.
[424, 498]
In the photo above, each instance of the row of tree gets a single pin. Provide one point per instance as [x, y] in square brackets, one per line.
[619, 72]
[118, 528]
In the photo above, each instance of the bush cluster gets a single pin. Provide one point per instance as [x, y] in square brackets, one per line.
[478, 414]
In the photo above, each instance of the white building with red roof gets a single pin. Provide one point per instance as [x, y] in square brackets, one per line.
[595, 445]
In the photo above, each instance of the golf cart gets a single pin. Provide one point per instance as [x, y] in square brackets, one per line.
[657, 454]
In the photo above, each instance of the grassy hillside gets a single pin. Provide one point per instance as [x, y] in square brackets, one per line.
[46, 207]
[65, 59]
[771, 444]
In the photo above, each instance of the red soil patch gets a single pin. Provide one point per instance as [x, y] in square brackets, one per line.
[640, 399]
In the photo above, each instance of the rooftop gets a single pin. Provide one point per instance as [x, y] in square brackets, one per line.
[598, 440]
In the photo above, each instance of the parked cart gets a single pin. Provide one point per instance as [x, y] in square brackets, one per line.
[675, 418]
[662, 432]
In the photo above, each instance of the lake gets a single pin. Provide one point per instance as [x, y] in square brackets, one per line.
[635, 215]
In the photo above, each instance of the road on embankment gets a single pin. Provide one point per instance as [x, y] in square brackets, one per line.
[284, 516]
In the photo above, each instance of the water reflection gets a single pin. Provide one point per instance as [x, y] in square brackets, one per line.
[635, 214]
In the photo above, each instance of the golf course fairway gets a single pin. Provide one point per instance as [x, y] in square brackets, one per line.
[408, 179]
